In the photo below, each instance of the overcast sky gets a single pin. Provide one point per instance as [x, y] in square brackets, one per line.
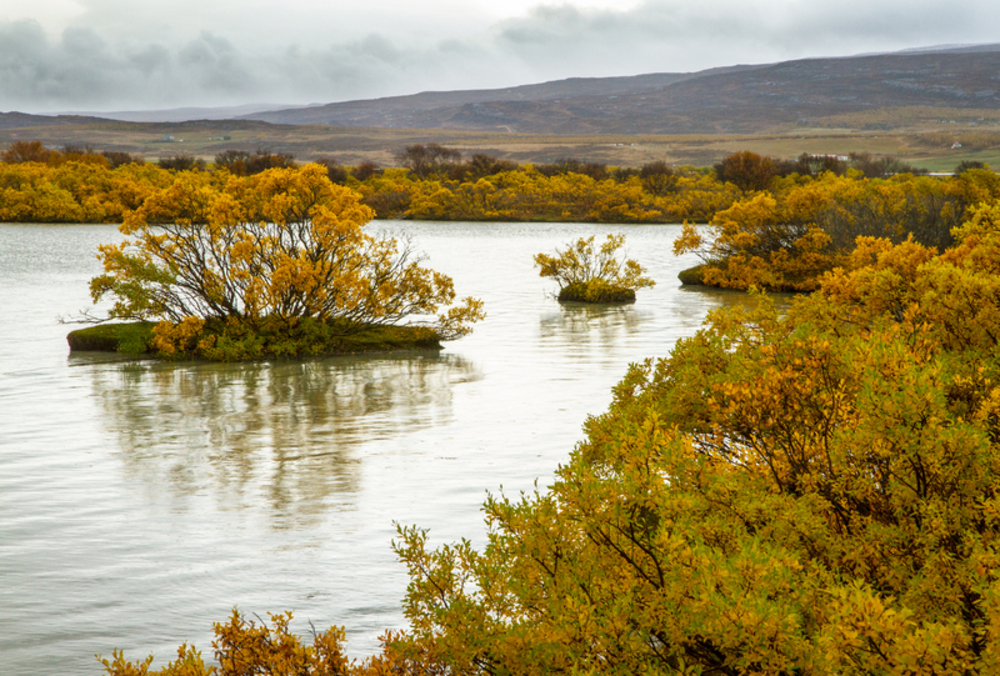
[104, 55]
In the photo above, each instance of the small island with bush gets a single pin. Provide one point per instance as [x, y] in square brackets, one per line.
[272, 265]
[589, 275]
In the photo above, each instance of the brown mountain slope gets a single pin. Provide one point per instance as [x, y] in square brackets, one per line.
[742, 99]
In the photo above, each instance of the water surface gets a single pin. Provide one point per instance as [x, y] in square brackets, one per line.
[141, 501]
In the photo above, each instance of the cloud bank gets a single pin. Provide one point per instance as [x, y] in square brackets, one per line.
[106, 54]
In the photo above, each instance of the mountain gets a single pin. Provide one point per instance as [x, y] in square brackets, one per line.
[739, 99]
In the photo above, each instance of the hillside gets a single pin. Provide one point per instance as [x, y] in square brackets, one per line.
[741, 99]
[933, 108]
[15, 120]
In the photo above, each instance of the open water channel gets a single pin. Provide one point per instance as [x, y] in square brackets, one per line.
[142, 501]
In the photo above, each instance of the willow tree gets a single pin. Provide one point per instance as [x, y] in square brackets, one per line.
[265, 253]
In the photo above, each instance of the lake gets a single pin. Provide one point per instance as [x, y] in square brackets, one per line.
[141, 501]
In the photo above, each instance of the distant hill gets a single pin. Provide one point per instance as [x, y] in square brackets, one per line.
[15, 120]
[739, 99]
[185, 114]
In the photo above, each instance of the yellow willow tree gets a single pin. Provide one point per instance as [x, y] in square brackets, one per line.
[263, 254]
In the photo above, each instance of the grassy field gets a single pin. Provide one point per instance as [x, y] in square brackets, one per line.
[923, 139]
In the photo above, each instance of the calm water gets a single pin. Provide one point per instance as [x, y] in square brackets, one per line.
[140, 502]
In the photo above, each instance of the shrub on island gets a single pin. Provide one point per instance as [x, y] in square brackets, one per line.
[271, 265]
[594, 275]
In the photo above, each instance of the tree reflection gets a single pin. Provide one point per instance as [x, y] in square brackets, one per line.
[285, 434]
[586, 322]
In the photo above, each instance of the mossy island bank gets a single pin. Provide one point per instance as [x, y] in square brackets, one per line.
[138, 339]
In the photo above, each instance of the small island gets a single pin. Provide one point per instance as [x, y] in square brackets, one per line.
[273, 265]
[589, 275]
[136, 339]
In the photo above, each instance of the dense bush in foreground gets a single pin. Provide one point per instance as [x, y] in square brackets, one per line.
[813, 493]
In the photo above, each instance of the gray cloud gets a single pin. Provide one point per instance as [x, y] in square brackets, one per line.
[673, 35]
[227, 53]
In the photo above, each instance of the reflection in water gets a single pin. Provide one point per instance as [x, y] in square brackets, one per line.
[725, 298]
[603, 324]
[282, 433]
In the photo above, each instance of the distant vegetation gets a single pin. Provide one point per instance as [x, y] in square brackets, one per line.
[786, 231]
[773, 223]
[433, 183]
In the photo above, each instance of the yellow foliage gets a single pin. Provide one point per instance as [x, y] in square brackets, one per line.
[244, 647]
[262, 252]
[74, 190]
[172, 338]
[582, 264]
[813, 493]
[787, 240]
[808, 492]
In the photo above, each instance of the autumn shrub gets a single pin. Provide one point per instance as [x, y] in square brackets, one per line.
[804, 492]
[181, 162]
[657, 178]
[761, 242]
[747, 170]
[425, 161]
[267, 255]
[787, 239]
[594, 275]
[25, 151]
[243, 647]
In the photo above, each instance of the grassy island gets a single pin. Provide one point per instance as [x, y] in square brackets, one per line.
[273, 265]
[595, 291]
[137, 338]
[588, 274]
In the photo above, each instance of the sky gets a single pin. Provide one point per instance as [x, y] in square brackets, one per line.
[112, 55]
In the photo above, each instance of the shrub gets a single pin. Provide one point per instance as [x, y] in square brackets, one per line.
[657, 178]
[594, 275]
[25, 151]
[747, 170]
[267, 251]
[183, 163]
[430, 160]
[810, 492]
[244, 647]
[117, 158]
[242, 163]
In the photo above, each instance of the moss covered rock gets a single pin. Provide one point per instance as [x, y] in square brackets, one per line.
[130, 338]
[692, 276]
